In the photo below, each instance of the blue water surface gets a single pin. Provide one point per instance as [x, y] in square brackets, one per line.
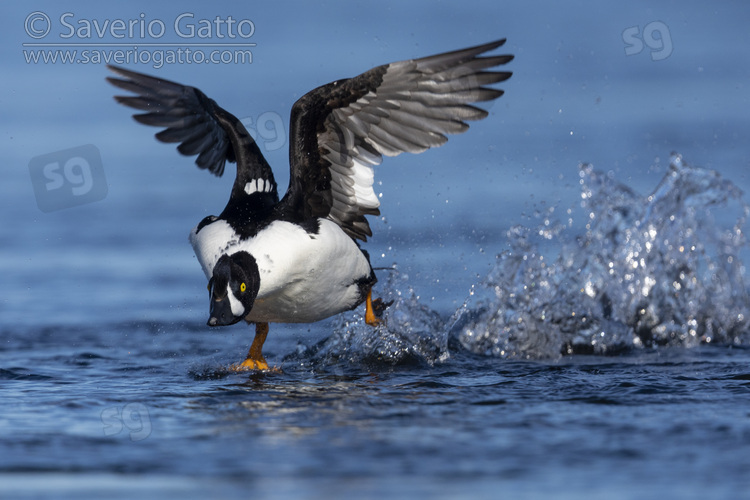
[557, 330]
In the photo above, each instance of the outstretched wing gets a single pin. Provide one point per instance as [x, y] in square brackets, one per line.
[340, 130]
[200, 125]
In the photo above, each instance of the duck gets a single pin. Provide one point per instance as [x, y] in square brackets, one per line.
[298, 258]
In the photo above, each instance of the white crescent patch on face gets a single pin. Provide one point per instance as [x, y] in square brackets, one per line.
[238, 310]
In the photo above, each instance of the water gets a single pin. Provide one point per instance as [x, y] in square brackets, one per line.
[669, 419]
[662, 269]
[570, 302]
[486, 401]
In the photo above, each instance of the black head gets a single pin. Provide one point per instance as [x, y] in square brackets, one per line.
[233, 288]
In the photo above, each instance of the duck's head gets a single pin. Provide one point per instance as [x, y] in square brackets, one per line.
[233, 288]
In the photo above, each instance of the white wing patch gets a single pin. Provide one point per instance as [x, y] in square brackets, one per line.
[352, 175]
[411, 111]
[258, 186]
[402, 107]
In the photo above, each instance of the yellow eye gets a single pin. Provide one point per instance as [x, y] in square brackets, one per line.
[243, 287]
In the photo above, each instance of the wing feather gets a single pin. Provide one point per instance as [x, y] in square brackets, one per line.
[189, 116]
[200, 127]
[341, 130]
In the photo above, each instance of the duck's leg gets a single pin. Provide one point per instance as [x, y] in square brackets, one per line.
[255, 359]
[370, 316]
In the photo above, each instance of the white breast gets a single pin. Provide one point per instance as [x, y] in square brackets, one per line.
[213, 241]
[303, 277]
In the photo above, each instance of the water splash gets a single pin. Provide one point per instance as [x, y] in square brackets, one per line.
[411, 333]
[664, 269]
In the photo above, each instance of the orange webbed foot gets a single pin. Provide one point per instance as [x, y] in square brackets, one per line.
[374, 310]
[255, 359]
